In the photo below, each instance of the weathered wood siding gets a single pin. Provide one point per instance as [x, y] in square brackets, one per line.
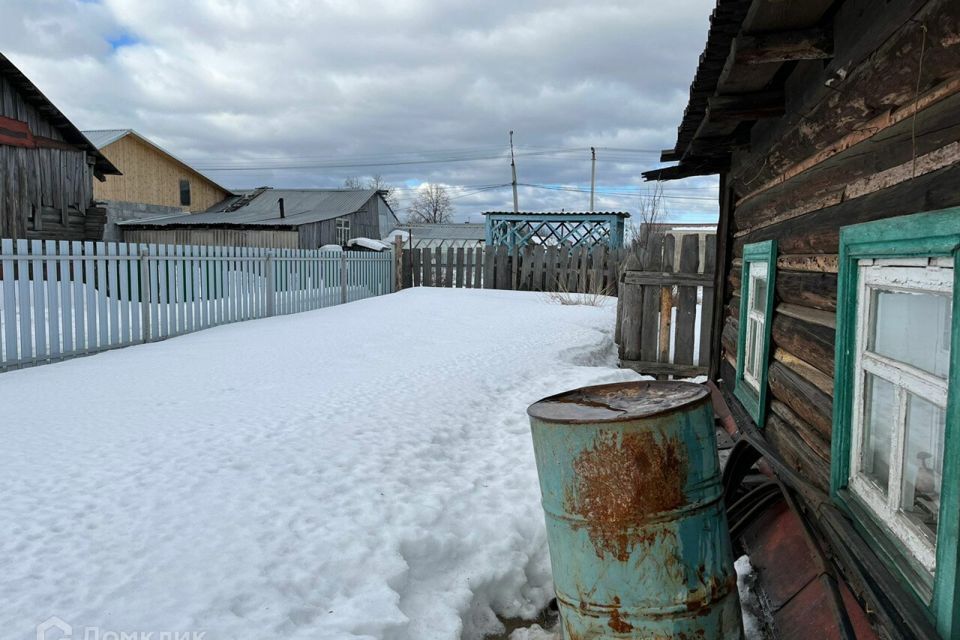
[854, 152]
[44, 192]
[152, 177]
[280, 239]
[364, 223]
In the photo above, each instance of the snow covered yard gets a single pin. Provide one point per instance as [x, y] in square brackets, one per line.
[361, 471]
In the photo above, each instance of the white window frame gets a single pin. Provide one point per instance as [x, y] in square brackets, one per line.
[895, 275]
[756, 319]
[343, 230]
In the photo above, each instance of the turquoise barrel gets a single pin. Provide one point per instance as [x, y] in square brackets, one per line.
[635, 520]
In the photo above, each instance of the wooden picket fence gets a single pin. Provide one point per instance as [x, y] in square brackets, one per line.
[532, 268]
[62, 299]
[664, 316]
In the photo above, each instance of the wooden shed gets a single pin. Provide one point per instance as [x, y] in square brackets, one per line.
[47, 166]
[151, 175]
[264, 217]
[834, 126]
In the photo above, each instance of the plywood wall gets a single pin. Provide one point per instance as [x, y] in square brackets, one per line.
[152, 177]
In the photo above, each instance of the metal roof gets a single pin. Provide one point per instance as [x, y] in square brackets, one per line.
[104, 137]
[301, 206]
[445, 231]
[70, 133]
[619, 214]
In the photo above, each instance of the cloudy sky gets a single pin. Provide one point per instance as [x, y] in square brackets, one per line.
[304, 93]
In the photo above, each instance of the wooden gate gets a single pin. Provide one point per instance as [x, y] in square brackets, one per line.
[665, 307]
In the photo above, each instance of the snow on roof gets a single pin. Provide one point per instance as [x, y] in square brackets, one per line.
[368, 243]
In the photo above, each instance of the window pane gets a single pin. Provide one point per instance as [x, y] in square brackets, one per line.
[748, 350]
[879, 417]
[923, 463]
[760, 294]
[758, 286]
[913, 328]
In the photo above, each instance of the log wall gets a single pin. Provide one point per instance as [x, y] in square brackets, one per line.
[883, 141]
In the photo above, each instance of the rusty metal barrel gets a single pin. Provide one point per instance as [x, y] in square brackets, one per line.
[636, 525]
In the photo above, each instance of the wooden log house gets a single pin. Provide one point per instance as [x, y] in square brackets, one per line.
[46, 166]
[834, 127]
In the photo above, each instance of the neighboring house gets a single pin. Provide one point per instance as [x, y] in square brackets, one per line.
[152, 175]
[47, 166]
[442, 235]
[835, 129]
[265, 217]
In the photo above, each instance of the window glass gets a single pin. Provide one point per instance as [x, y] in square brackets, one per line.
[758, 290]
[912, 327]
[923, 463]
[880, 415]
[185, 193]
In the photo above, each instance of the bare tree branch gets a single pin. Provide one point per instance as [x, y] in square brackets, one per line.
[432, 205]
[377, 182]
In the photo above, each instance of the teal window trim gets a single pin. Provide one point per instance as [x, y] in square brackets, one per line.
[755, 402]
[935, 233]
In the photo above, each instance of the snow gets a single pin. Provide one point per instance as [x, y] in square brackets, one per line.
[361, 471]
[534, 632]
[397, 233]
[368, 243]
[749, 602]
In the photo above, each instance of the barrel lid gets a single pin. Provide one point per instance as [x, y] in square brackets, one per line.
[617, 402]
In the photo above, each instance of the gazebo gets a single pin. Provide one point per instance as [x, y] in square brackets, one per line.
[590, 229]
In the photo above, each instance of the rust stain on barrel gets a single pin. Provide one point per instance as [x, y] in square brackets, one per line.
[616, 622]
[622, 481]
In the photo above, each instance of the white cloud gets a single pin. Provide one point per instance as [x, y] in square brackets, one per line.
[298, 82]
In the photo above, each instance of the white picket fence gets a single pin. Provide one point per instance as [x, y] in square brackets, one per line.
[62, 299]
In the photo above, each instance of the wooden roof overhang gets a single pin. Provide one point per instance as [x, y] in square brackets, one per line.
[751, 47]
[71, 134]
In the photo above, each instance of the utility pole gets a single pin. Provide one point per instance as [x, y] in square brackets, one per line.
[593, 174]
[513, 167]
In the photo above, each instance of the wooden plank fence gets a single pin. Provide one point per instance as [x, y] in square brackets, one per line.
[60, 299]
[664, 317]
[530, 268]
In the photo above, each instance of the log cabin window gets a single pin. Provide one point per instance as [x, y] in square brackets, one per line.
[185, 193]
[896, 462]
[900, 397]
[756, 311]
[343, 230]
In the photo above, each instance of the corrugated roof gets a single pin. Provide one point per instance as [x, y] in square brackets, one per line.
[446, 231]
[301, 206]
[104, 137]
[70, 133]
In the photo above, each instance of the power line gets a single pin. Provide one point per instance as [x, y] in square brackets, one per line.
[421, 157]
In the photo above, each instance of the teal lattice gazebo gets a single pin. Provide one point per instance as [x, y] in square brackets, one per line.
[548, 227]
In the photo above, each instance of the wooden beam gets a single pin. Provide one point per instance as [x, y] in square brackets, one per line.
[663, 368]
[746, 106]
[667, 278]
[783, 46]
